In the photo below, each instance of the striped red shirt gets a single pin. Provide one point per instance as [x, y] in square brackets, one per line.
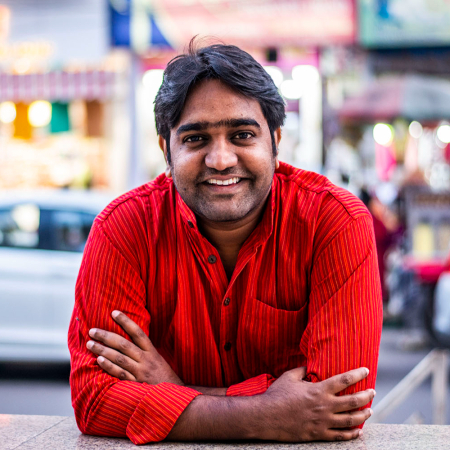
[305, 291]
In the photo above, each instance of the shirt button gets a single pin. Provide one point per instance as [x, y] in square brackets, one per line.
[212, 259]
[227, 346]
[190, 224]
[226, 302]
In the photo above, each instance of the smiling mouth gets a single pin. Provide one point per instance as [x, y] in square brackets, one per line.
[229, 182]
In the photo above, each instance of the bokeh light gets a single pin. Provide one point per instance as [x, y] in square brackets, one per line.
[7, 112]
[40, 113]
[415, 130]
[443, 134]
[383, 134]
[152, 80]
[305, 75]
[291, 89]
[276, 74]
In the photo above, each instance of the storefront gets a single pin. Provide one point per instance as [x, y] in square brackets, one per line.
[55, 128]
[64, 112]
[398, 117]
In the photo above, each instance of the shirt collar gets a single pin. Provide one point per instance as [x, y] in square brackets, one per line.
[262, 231]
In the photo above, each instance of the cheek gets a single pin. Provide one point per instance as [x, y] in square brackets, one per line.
[260, 163]
[186, 166]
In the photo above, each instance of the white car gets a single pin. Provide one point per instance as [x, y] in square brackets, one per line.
[42, 237]
[441, 311]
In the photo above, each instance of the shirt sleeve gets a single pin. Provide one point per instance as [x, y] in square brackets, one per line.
[252, 386]
[103, 404]
[345, 309]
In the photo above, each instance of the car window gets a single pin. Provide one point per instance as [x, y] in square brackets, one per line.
[70, 230]
[19, 226]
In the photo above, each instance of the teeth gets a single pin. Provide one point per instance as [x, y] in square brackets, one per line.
[224, 182]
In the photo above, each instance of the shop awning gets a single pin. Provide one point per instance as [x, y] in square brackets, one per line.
[59, 86]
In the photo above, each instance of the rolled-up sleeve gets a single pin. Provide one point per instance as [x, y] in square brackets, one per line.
[103, 404]
[253, 386]
[345, 310]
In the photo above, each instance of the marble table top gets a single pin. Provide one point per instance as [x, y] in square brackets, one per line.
[61, 433]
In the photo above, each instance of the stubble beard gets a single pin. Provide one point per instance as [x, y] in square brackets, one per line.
[225, 210]
[236, 208]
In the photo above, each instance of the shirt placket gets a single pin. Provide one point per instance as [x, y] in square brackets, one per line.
[229, 316]
[225, 295]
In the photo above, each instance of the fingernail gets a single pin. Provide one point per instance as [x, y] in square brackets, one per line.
[370, 411]
[115, 314]
[92, 332]
[89, 344]
[374, 392]
[100, 359]
[361, 433]
[367, 371]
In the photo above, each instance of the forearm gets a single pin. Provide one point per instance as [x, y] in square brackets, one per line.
[221, 418]
[214, 391]
[291, 410]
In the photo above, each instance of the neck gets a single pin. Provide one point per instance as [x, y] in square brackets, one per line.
[228, 237]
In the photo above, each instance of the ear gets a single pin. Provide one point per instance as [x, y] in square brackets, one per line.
[163, 146]
[277, 135]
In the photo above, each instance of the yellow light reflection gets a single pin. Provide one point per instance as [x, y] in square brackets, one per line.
[7, 112]
[40, 113]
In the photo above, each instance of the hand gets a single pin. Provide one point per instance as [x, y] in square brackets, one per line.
[302, 411]
[133, 361]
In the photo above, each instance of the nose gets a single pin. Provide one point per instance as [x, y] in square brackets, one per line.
[221, 155]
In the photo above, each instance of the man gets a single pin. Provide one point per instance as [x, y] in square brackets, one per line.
[249, 288]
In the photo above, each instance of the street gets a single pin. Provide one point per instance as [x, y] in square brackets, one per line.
[44, 389]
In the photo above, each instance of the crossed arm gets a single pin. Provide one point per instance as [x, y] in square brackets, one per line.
[291, 410]
[344, 327]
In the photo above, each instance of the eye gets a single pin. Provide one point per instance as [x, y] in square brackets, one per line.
[243, 135]
[194, 139]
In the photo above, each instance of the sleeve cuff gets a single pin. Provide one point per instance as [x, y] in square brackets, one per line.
[252, 386]
[158, 411]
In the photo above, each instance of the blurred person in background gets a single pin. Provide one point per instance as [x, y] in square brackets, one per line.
[233, 297]
[387, 232]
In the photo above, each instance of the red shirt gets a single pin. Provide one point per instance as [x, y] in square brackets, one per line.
[305, 291]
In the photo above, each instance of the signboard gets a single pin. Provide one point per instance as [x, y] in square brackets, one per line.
[262, 23]
[404, 23]
[76, 29]
[250, 23]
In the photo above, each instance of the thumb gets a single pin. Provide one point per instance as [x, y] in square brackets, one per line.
[299, 372]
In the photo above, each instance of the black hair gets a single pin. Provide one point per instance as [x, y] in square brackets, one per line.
[227, 63]
[365, 197]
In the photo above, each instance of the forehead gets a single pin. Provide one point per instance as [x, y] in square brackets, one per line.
[214, 101]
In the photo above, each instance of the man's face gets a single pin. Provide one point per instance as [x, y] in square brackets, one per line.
[222, 162]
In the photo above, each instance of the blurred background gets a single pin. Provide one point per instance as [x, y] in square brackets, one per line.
[367, 89]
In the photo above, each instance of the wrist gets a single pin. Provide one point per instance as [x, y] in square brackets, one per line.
[259, 424]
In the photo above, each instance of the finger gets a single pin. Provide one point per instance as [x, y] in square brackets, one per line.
[340, 382]
[342, 435]
[352, 419]
[114, 370]
[353, 401]
[117, 342]
[121, 360]
[133, 330]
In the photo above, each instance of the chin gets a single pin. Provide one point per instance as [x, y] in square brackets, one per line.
[223, 215]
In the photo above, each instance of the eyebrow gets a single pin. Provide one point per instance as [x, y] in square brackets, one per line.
[232, 123]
